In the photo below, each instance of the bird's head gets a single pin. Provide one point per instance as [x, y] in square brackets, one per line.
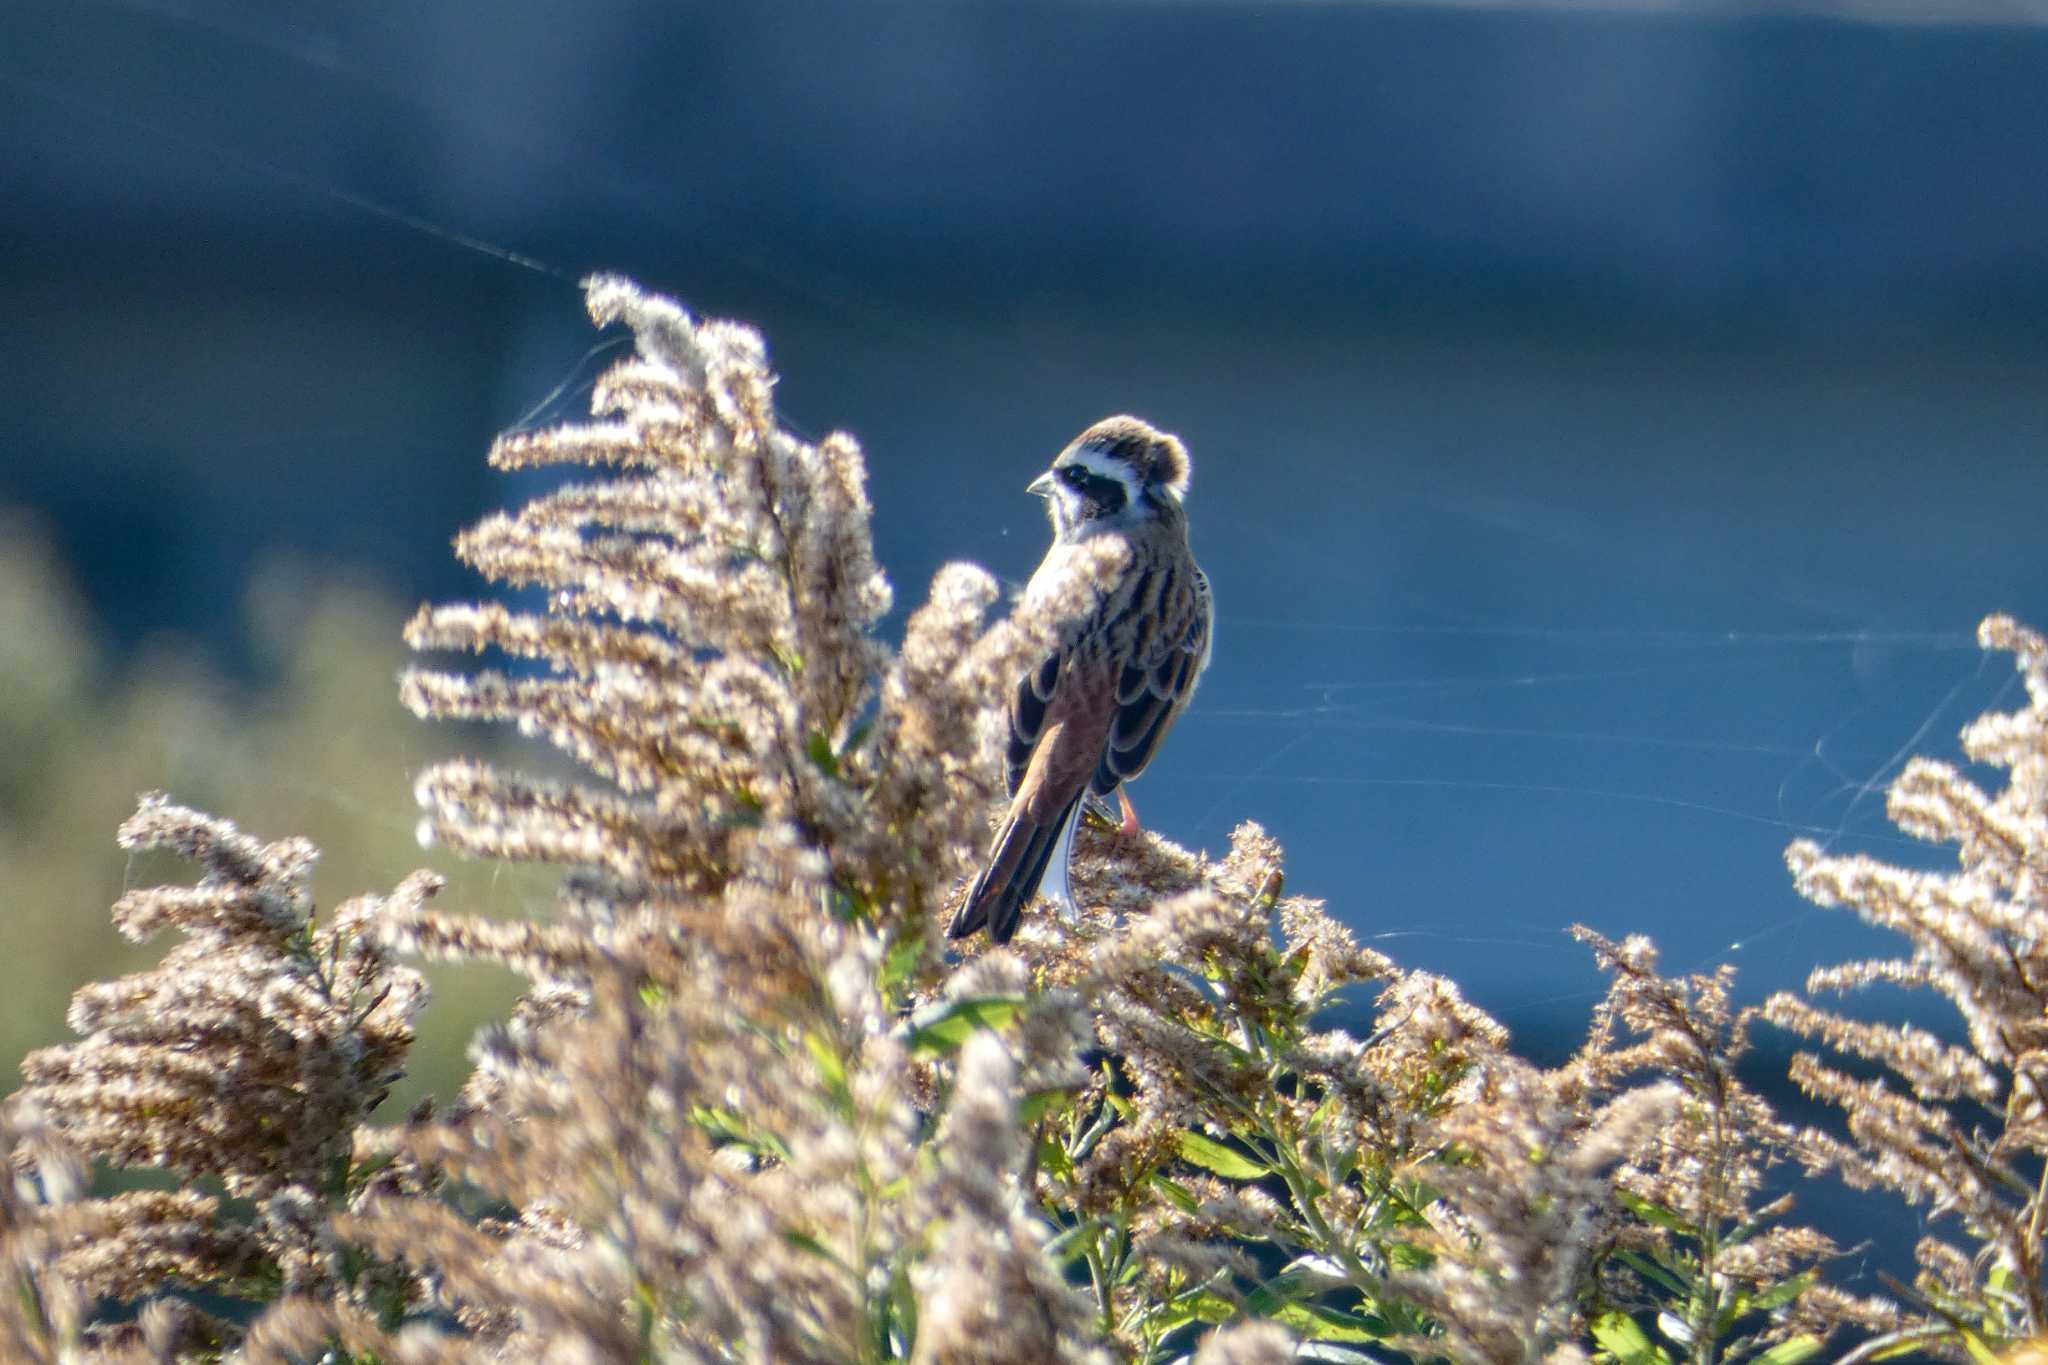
[1119, 471]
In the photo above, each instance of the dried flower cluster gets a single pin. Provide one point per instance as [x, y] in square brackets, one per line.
[246, 1058]
[1957, 1128]
[1705, 1254]
[750, 1109]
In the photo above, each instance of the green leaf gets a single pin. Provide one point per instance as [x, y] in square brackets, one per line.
[724, 1125]
[1408, 1256]
[1283, 1289]
[1038, 1104]
[1177, 1194]
[942, 1030]
[1206, 1306]
[1784, 1291]
[829, 1065]
[1196, 1303]
[364, 1170]
[899, 963]
[820, 750]
[904, 1297]
[1979, 1352]
[1213, 1156]
[647, 1310]
[1658, 1215]
[1669, 1277]
[803, 1241]
[1619, 1335]
[1071, 1244]
[1319, 1323]
[1791, 1351]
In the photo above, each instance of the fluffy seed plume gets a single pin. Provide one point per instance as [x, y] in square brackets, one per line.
[750, 1109]
[1961, 1131]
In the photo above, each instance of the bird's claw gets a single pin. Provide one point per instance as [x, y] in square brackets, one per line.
[1129, 828]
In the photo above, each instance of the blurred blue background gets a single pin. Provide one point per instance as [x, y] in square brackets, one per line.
[1609, 425]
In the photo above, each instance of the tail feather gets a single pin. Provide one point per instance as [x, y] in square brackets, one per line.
[1024, 850]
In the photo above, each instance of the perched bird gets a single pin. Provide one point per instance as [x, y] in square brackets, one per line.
[1090, 716]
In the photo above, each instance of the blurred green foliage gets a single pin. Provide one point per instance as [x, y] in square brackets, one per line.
[317, 746]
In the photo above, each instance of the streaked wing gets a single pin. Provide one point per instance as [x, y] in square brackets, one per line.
[1069, 732]
[1152, 691]
[1027, 716]
[1076, 735]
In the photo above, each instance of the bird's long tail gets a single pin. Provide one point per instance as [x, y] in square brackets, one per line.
[1025, 851]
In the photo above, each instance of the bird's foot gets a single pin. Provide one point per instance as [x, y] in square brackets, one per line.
[1129, 828]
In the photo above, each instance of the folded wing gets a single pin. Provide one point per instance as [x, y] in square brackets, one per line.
[1151, 693]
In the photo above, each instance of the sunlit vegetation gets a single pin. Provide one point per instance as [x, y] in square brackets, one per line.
[752, 1106]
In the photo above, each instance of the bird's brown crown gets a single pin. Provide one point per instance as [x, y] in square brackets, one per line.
[1157, 457]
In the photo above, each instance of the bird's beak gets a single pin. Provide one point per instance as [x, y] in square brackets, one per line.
[1042, 485]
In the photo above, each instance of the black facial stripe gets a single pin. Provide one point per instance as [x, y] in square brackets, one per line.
[1105, 495]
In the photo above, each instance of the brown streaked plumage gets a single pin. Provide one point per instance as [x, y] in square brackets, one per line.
[1089, 717]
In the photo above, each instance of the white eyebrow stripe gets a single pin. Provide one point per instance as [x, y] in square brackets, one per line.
[1105, 468]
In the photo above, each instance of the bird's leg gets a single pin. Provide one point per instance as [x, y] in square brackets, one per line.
[1129, 828]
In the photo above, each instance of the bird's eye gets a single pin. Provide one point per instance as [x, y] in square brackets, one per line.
[1074, 474]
